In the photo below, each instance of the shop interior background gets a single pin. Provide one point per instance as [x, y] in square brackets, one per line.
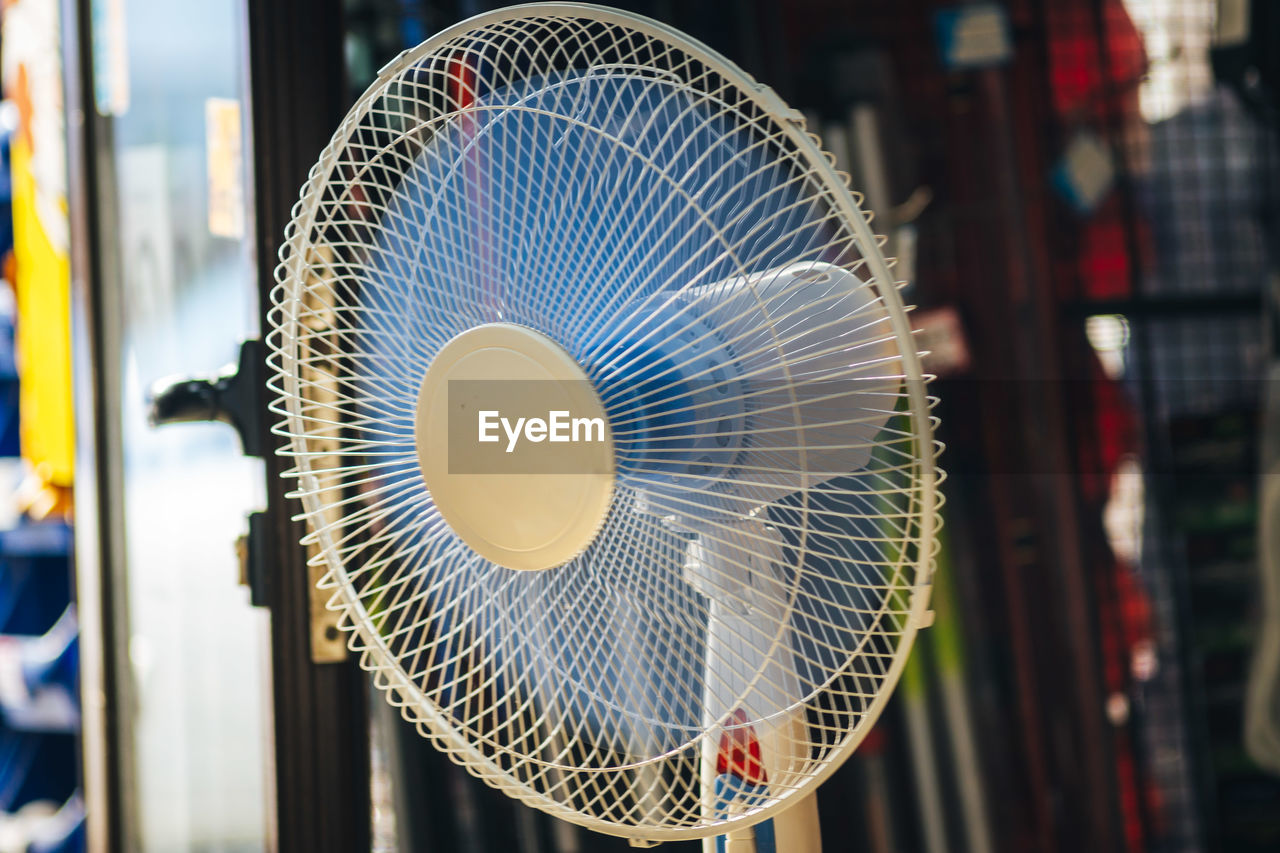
[1084, 200]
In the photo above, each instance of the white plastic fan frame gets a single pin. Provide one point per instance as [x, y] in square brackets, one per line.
[375, 657]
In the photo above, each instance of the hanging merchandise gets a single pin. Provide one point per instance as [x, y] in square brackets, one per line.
[975, 35]
[40, 807]
[32, 76]
[1086, 172]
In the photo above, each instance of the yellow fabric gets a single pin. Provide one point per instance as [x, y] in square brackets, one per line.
[43, 290]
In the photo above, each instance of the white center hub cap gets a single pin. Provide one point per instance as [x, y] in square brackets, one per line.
[519, 497]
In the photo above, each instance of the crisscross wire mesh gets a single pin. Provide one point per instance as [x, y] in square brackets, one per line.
[765, 563]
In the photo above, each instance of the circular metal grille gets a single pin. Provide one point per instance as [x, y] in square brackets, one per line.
[750, 599]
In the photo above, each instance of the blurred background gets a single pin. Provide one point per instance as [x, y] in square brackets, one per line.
[1084, 198]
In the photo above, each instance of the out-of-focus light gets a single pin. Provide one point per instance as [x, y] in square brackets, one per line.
[1177, 35]
[1108, 334]
[8, 117]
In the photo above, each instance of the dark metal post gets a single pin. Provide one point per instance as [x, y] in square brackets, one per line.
[298, 97]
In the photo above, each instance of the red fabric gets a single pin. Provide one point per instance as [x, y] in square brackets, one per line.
[1124, 608]
[1088, 79]
[740, 750]
[1095, 67]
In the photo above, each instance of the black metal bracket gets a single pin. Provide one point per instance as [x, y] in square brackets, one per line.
[232, 397]
[257, 559]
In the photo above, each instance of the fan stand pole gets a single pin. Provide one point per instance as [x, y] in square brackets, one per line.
[740, 758]
[795, 830]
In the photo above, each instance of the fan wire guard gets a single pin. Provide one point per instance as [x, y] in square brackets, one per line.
[521, 167]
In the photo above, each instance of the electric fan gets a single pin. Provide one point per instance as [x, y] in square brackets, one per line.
[608, 425]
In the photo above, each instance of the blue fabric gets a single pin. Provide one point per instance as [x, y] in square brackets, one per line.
[730, 789]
